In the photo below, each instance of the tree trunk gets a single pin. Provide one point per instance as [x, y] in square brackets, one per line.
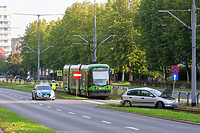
[187, 71]
[130, 73]
[122, 73]
[164, 72]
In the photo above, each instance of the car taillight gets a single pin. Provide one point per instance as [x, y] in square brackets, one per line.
[21, 78]
[121, 97]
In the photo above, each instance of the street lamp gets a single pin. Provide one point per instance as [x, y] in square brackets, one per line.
[38, 15]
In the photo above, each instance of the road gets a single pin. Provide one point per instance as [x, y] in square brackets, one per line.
[82, 116]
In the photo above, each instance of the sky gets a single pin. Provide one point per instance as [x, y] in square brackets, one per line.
[35, 7]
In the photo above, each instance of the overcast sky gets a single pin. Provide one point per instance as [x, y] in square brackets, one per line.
[19, 22]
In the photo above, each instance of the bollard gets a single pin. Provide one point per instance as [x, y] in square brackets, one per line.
[188, 98]
[179, 93]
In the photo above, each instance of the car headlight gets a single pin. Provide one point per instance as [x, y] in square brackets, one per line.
[38, 92]
[169, 101]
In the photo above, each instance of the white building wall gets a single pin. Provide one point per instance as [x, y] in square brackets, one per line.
[5, 29]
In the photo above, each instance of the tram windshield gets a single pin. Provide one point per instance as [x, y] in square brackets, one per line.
[101, 77]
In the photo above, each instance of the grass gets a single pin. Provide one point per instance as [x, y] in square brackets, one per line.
[157, 112]
[11, 122]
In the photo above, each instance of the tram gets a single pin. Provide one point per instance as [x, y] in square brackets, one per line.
[95, 80]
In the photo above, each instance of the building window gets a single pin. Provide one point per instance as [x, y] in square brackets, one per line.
[5, 16]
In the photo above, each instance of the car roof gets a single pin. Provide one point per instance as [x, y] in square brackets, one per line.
[143, 88]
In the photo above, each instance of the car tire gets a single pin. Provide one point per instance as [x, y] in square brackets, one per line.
[160, 105]
[127, 104]
[33, 97]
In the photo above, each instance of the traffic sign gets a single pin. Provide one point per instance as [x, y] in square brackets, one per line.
[59, 72]
[174, 76]
[175, 69]
[77, 74]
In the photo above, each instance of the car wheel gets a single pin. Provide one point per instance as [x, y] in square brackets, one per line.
[33, 97]
[160, 105]
[127, 104]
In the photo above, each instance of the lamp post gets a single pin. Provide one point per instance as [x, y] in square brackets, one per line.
[38, 15]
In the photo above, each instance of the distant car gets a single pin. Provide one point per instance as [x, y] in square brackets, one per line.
[30, 78]
[17, 77]
[43, 91]
[2, 78]
[147, 97]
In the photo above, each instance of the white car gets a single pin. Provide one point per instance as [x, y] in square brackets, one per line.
[43, 92]
[2, 78]
[147, 97]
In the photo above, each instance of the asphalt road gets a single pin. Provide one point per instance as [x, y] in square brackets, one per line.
[82, 116]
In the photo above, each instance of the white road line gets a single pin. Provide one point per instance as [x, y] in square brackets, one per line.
[86, 117]
[48, 107]
[107, 122]
[41, 104]
[20, 97]
[93, 102]
[59, 109]
[133, 128]
[71, 113]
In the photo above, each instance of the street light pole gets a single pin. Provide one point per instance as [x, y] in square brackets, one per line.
[38, 47]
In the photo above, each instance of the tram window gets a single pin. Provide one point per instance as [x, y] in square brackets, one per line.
[101, 77]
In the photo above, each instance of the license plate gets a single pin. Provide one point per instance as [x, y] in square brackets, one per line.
[46, 95]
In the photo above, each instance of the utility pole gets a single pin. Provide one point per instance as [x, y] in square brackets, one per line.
[95, 35]
[193, 25]
[38, 15]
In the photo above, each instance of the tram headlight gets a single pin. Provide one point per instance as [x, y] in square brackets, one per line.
[96, 88]
[106, 88]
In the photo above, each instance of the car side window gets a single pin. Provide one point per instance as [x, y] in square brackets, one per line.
[134, 93]
[146, 93]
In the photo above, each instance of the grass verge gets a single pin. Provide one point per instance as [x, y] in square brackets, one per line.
[157, 112]
[11, 122]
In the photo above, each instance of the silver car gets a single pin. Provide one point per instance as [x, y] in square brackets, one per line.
[147, 97]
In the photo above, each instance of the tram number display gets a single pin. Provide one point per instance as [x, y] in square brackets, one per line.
[100, 69]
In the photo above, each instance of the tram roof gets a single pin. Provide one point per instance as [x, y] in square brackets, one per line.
[84, 66]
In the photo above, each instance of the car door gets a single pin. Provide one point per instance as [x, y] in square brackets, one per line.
[147, 98]
[134, 97]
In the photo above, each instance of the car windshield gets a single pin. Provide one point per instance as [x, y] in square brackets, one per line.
[156, 92]
[101, 77]
[44, 88]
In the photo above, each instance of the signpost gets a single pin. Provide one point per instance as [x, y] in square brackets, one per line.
[175, 70]
[77, 75]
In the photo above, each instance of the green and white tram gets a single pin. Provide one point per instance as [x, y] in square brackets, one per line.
[95, 80]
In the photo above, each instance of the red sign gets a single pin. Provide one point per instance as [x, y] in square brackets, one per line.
[175, 69]
[77, 75]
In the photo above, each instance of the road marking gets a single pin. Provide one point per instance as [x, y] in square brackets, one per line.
[107, 122]
[93, 102]
[71, 113]
[15, 95]
[41, 104]
[48, 107]
[59, 109]
[133, 128]
[86, 117]
[20, 97]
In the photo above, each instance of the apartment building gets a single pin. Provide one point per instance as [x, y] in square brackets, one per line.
[15, 44]
[5, 30]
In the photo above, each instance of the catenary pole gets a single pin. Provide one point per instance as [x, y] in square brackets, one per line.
[193, 54]
[193, 71]
[95, 35]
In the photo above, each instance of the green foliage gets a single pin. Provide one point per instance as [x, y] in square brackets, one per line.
[14, 64]
[3, 66]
